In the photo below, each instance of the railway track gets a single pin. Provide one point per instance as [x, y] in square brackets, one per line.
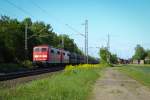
[15, 75]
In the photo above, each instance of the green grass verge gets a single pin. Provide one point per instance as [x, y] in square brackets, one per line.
[140, 73]
[72, 85]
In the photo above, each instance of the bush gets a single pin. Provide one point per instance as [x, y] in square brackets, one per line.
[79, 67]
[27, 64]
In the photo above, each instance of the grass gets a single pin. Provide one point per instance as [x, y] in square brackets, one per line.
[140, 73]
[68, 85]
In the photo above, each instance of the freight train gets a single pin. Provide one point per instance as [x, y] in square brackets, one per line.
[49, 56]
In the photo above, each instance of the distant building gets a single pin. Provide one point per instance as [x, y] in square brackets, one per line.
[141, 61]
[138, 62]
[123, 61]
[135, 61]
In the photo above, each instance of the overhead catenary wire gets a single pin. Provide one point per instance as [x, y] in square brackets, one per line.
[43, 10]
[58, 20]
[3, 10]
[19, 8]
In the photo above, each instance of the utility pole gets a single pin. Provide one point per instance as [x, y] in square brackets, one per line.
[85, 44]
[108, 48]
[86, 41]
[86, 36]
[62, 41]
[26, 41]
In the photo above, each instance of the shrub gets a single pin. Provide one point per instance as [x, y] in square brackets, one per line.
[80, 67]
[27, 64]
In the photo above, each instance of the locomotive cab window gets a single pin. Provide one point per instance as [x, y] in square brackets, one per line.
[44, 49]
[36, 49]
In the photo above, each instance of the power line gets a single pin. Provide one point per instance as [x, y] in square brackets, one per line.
[19, 8]
[4, 10]
[73, 29]
[45, 12]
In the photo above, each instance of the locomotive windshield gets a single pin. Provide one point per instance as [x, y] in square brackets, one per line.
[43, 49]
[36, 49]
[40, 49]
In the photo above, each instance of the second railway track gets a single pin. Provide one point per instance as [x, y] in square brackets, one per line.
[38, 71]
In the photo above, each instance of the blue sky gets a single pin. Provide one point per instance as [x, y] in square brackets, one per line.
[127, 21]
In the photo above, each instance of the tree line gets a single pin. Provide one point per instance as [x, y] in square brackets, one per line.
[12, 39]
[106, 57]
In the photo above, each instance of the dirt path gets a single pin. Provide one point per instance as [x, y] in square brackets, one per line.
[117, 86]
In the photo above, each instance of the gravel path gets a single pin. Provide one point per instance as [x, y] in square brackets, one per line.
[114, 85]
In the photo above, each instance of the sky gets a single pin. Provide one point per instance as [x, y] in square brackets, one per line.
[126, 21]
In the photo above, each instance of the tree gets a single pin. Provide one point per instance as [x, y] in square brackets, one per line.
[69, 44]
[10, 34]
[27, 21]
[148, 54]
[139, 53]
[147, 58]
[113, 59]
[103, 55]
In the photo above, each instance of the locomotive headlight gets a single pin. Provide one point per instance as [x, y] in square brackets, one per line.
[45, 56]
[36, 56]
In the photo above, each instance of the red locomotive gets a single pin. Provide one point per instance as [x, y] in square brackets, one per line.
[46, 54]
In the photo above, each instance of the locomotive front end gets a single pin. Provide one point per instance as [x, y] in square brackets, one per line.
[40, 54]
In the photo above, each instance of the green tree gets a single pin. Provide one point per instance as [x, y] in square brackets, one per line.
[107, 57]
[148, 53]
[147, 58]
[113, 59]
[139, 53]
[10, 33]
[69, 44]
[103, 55]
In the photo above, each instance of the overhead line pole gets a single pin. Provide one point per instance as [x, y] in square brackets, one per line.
[85, 45]
[108, 48]
[26, 41]
[86, 41]
[86, 36]
[62, 42]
